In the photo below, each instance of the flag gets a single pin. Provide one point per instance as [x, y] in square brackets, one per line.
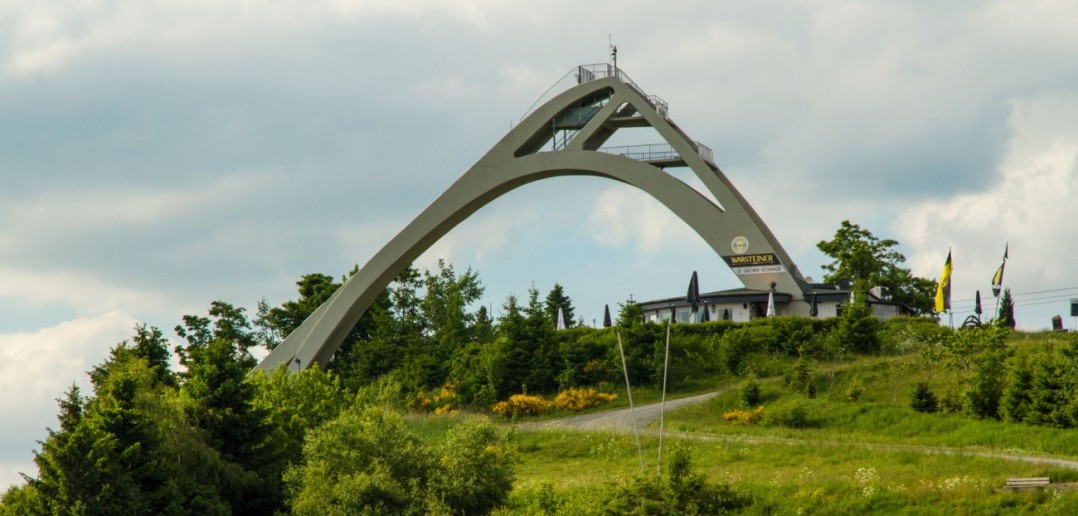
[943, 292]
[561, 319]
[997, 278]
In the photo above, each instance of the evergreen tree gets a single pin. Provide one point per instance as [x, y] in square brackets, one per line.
[923, 400]
[557, 299]
[219, 402]
[513, 351]
[1006, 310]
[125, 451]
[483, 330]
[544, 359]
[1016, 399]
[629, 313]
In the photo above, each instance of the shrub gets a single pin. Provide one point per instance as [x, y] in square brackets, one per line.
[901, 335]
[855, 390]
[445, 402]
[521, 405]
[801, 377]
[858, 330]
[922, 399]
[789, 415]
[744, 417]
[748, 393]
[370, 462]
[735, 344]
[580, 399]
[679, 491]
[475, 472]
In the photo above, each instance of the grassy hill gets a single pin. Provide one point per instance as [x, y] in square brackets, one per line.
[855, 446]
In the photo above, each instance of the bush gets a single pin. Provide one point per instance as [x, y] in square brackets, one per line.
[744, 417]
[855, 390]
[580, 399]
[923, 400]
[858, 330]
[902, 335]
[748, 393]
[679, 491]
[370, 462]
[790, 415]
[521, 405]
[735, 344]
[475, 472]
[801, 377]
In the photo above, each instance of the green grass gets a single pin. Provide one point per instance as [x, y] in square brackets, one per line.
[783, 478]
[881, 423]
[872, 455]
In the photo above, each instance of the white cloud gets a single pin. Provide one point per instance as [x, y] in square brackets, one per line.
[624, 216]
[36, 368]
[478, 238]
[1031, 206]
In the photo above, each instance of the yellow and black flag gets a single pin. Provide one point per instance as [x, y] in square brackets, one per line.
[997, 278]
[943, 292]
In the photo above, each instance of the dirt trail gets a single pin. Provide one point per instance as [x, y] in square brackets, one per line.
[621, 420]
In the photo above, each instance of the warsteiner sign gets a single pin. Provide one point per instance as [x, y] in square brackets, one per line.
[744, 260]
[754, 263]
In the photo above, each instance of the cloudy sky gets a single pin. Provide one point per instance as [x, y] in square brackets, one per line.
[159, 155]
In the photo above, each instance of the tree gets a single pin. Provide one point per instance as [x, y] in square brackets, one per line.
[278, 322]
[367, 461]
[557, 299]
[1006, 310]
[296, 403]
[219, 401]
[629, 313]
[127, 450]
[514, 350]
[444, 305]
[922, 399]
[867, 261]
[542, 376]
[364, 462]
[274, 324]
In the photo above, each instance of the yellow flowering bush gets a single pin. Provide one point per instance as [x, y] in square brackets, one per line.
[580, 399]
[744, 417]
[521, 405]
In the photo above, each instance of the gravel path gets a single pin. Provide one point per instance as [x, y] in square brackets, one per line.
[620, 420]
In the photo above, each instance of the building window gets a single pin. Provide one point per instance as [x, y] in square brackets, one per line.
[682, 316]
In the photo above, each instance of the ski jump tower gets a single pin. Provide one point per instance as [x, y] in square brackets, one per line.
[563, 135]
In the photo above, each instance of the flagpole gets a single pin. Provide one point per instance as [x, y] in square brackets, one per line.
[629, 392]
[662, 406]
[1006, 251]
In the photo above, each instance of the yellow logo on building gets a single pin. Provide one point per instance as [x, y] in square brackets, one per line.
[740, 245]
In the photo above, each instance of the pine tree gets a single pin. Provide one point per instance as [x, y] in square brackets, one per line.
[923, 400]
[544, 357]
[557, 299]
[219, 401]
[1006, 310]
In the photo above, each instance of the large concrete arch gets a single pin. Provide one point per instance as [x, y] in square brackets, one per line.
[562, 137]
